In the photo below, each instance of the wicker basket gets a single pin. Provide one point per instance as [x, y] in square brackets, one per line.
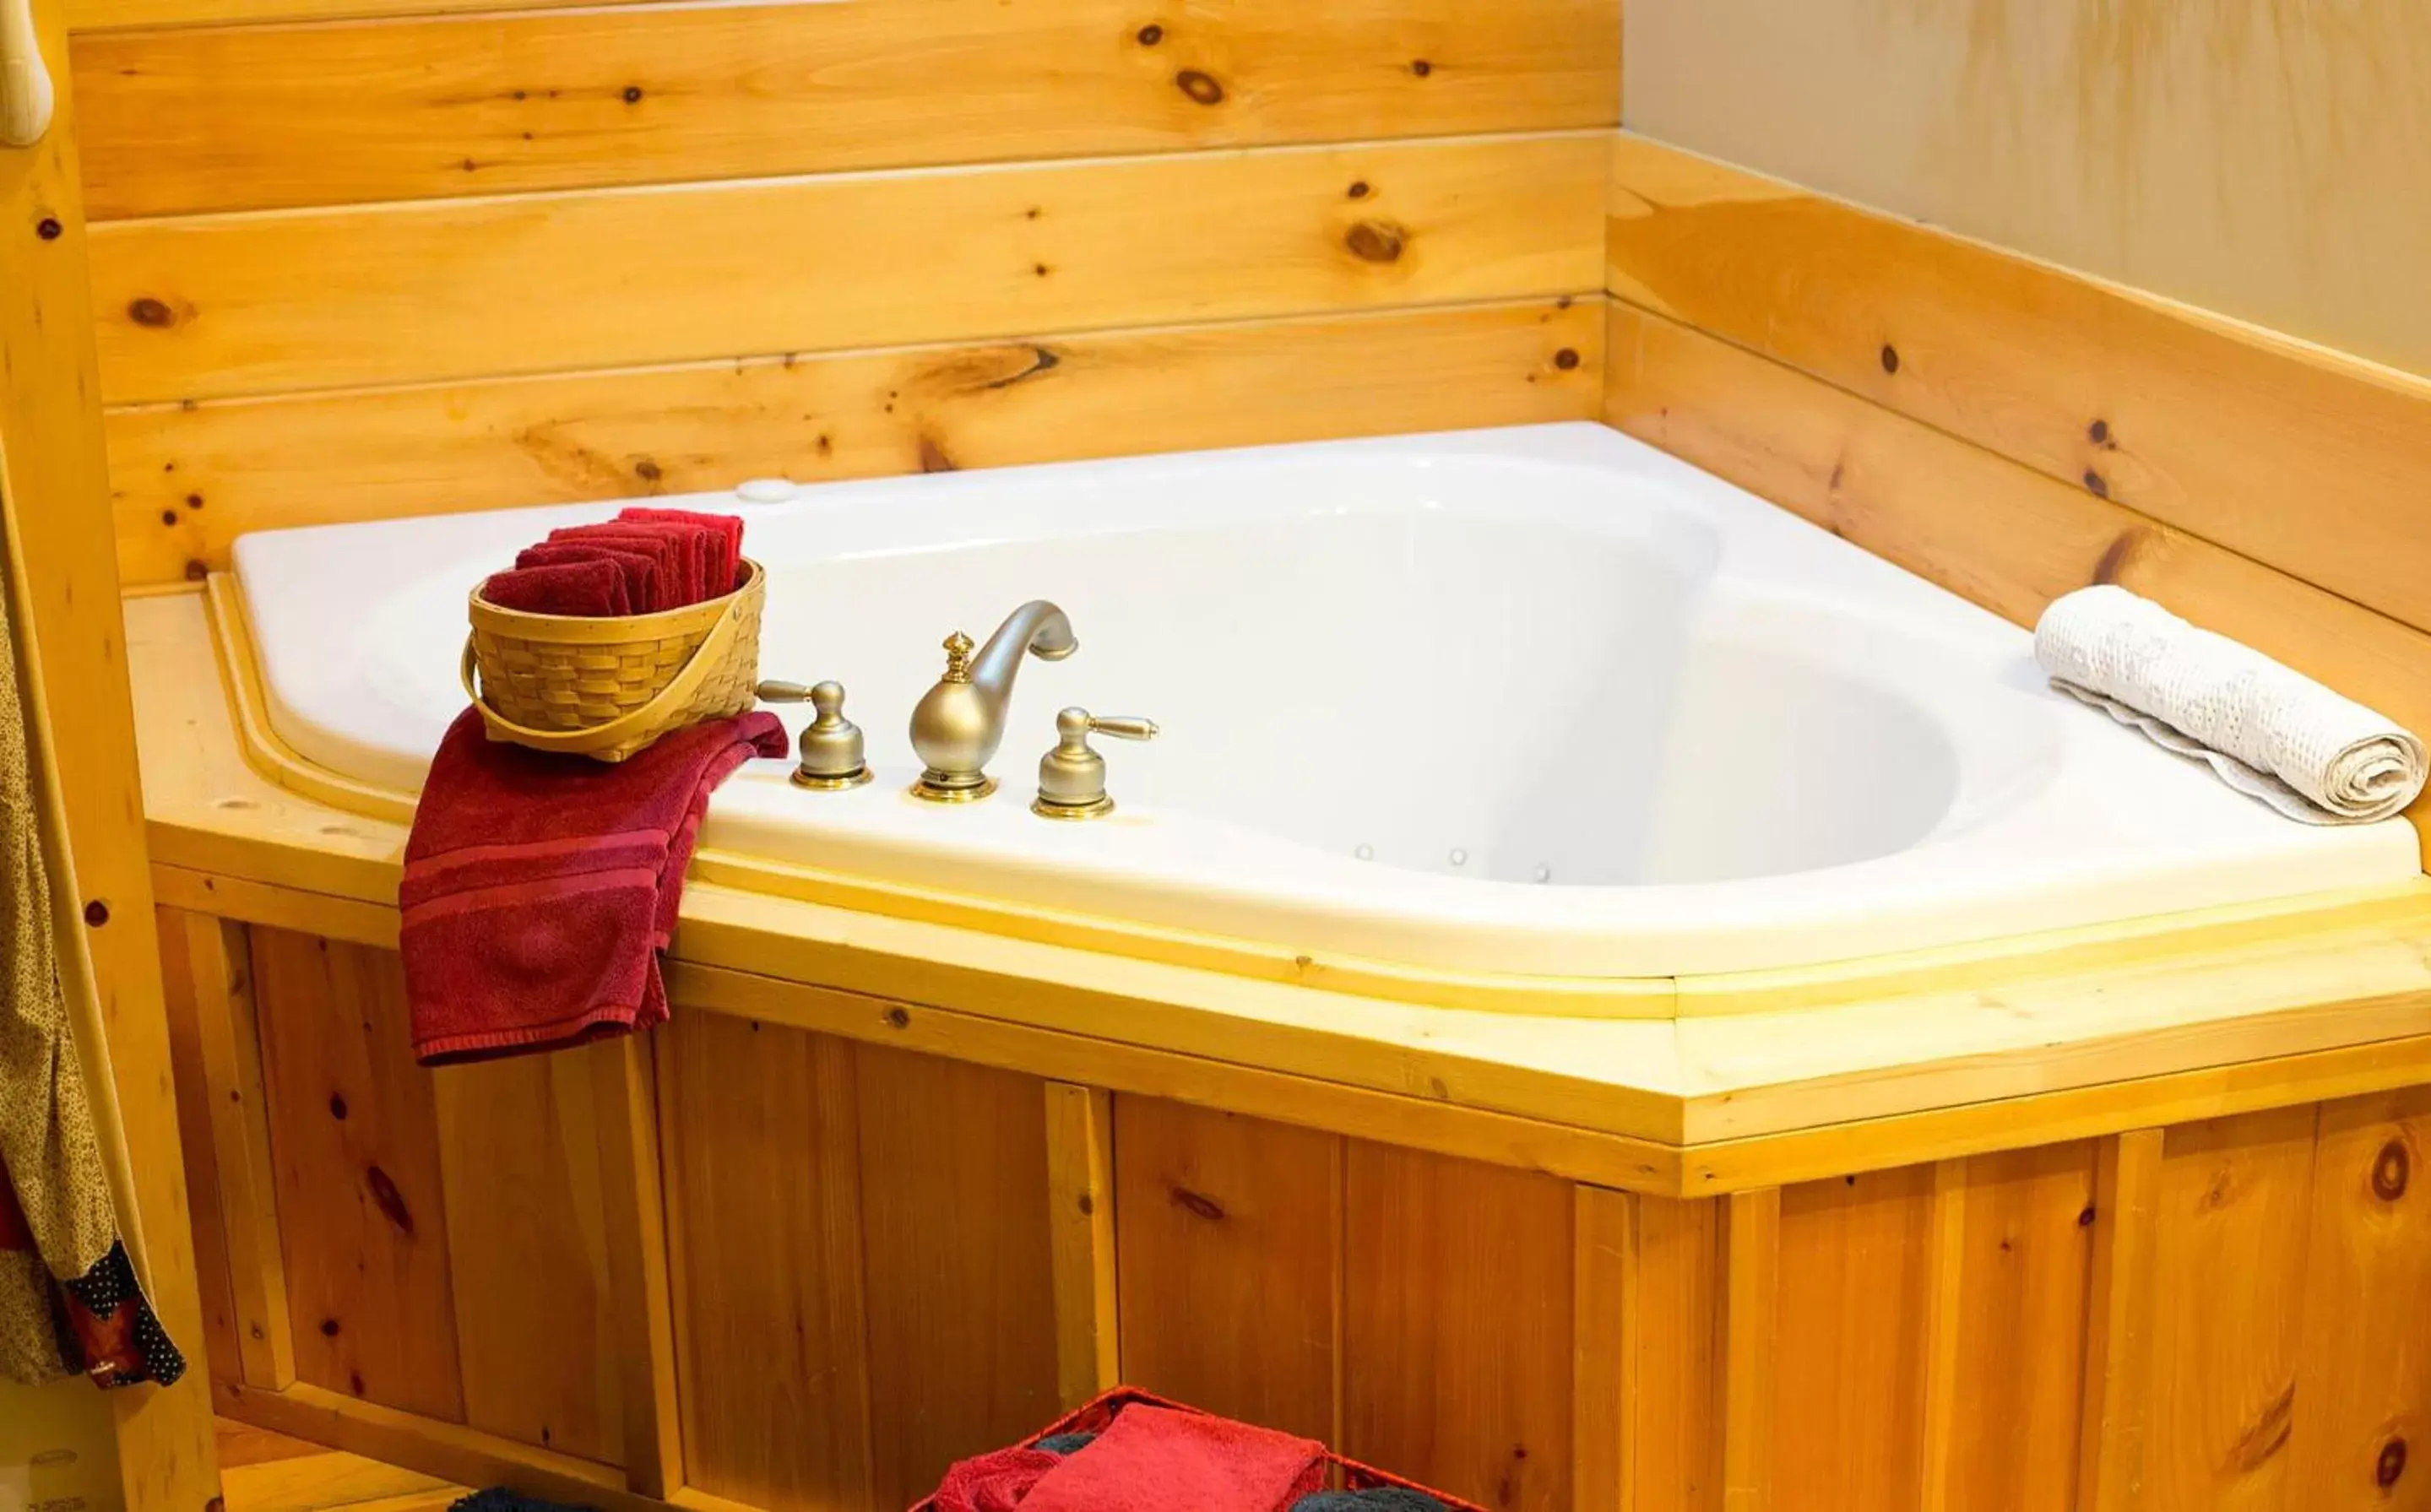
[607, 688]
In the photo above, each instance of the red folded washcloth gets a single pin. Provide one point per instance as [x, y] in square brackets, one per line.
[539, 889]
[589, 588]
[640, 569]
[672, 554]
[728, 571]
[992, 1482]
[1155, 1459]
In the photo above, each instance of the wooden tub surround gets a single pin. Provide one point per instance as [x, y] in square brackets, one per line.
[2121, 1206]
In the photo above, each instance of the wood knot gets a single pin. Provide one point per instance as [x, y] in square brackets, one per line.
[1421, 67]
[96, 913]
[1890, 357]
[2390, 1465]
[1376, 241]
[1150, 34]
[1087, 1204]
[1566, 360]
[647, 470]
[899, 1018]
[151, 313]
[1359, 189]
[2098, 433]
[48, 229]
[633, 94]
[2084, 1219]
[2095, 484]
[1199, 1203]
[389, 1201]
[328, 1328]
[1200, 87]
[337, 1106]
[2390, 1170]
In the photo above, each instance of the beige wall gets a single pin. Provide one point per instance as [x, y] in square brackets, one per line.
[2269, 158]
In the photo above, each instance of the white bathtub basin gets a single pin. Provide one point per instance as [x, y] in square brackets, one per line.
[1539, 701]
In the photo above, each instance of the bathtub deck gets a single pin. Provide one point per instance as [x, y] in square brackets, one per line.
[1873, 1065]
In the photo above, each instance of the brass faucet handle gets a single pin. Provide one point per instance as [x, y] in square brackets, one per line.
[1078, 724]
[958, 658]
[831, 745]
[1072, 777]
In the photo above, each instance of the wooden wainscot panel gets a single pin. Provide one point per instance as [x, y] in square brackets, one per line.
[763, 1217]
[2018, 541]
[1849, 1341]
[1229, 1245]
[1457, 1331]
[2363, 1374]
[210, 306]
[519, 1157]
[1672, 1449]
[962, 1295]
[2009, 1300]
[184, 1005]
[245, 117]
[2293, 455]
[2235, 1208]
[189, 479]
[354, 1143]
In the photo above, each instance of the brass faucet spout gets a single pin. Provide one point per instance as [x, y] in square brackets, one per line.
[960, 722]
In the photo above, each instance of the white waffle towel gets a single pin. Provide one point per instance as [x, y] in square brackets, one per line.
[2268, 730]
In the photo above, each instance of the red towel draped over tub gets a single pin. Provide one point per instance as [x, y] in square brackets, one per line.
[539, 889]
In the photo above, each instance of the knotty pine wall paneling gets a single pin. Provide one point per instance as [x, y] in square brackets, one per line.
[351, 262]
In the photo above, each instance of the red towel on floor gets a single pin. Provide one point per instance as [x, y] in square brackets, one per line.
[992, 1482]
[539, 889]
[586, 587]
[640, 569]
[727, 569]
[1155, 1459]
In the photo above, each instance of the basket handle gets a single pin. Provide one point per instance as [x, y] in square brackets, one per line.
[678, 688]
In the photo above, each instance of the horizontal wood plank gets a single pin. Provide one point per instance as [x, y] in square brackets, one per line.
[85, 16]
[226, 118]
[1991, 530]
[2304, 458]
[212, 306]
[188, 480]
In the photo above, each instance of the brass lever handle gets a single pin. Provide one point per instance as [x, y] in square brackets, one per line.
[775, 693]
[1120, 728]
[1072, 777]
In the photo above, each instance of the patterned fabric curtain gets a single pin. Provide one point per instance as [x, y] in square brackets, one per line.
[69, 1300]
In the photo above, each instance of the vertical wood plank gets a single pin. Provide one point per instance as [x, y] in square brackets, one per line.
[212, 1271]
[2116, 1416]
[355, 1145]
[2363, 1372]
[1674, 1445]
[1751, 1244]
[72, 669]
[962, 1290]
[218, 958]
[1848, 1372]
[2018, 1349]
[1945, 1280]
[763, 1197]
[1457, 1326]
[1080, 1226]
[2235, 1204]
[519, 1163]
[641, 1299]
[1223, 1217]
[1603, 1314]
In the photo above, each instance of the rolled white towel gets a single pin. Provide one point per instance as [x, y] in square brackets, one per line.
[2266, 729]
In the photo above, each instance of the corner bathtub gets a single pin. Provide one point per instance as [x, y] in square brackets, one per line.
[1529, 703]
